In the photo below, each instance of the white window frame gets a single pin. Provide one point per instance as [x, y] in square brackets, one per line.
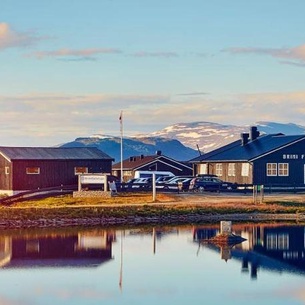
[245, 169]
[283, 169]
[202, 168]
[78, 170]
[271, 169]
[7, 170]
[33, 170]
[218, 169]
[231, 170]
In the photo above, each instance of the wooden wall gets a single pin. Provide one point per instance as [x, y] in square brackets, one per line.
[238, 178]
[52, 173]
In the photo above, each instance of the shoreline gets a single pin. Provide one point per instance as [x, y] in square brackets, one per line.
[180, 208]
[136, 221]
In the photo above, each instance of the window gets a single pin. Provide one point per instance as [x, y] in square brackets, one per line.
[218, 171]
[245, 167]
[7, 170]
[231, 169]
[80, 170]
[271, 169]
[33, 170]
[202, 168]
[280, 169]
[283, 241]
[283, 169]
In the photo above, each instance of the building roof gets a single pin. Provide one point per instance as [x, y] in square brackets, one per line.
[53, 153]
[136, 162]
[262, 145]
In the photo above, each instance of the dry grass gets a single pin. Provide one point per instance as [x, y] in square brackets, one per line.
[121, 199]
[142, 205]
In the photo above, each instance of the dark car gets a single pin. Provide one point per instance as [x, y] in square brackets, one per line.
[211, 183]
[136, 184]
[177, 184]
[142, 183]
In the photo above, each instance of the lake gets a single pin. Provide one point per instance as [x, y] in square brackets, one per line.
[153, 265]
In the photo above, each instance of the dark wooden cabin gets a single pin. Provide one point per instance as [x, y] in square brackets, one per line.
[30, 168]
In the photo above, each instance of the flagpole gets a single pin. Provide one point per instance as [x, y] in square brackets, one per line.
[121, 131]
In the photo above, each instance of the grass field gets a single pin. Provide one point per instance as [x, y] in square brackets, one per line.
[65, 210]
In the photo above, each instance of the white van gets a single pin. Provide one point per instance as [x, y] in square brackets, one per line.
[148, 174]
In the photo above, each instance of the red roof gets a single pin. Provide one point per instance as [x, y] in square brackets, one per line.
[133, 162]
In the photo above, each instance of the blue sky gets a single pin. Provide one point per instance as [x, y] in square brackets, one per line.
[68, 68]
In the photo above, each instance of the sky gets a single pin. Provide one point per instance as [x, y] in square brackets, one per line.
[69, 68]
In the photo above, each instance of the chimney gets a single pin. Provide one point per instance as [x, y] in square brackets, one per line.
[254, 133]
[142, 157]
[244, 138]
[158, 153]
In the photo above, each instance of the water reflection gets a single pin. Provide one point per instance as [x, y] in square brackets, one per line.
[164, 264]
[272, 247]
[56, 249]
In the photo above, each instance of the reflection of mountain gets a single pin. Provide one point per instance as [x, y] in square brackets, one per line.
[276, 248]
[80, 249]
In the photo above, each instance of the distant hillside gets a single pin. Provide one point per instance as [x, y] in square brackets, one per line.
[136, 146]
[209, 136]
[180, 141]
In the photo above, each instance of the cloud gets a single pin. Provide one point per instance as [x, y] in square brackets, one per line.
[55, 118]
[193, 93]
[49, 119]
[155, 54]
[82, 54]
[10, 38]
[89, 54]
[295, 55]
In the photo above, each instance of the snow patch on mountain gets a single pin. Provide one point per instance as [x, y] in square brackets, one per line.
[209, 136]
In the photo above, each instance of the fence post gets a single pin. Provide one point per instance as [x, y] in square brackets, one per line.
[262, 194]
[254, 193]
[154, 187]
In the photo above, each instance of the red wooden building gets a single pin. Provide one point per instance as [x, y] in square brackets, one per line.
[30, 168]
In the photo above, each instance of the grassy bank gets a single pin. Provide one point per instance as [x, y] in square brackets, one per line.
[139, 208]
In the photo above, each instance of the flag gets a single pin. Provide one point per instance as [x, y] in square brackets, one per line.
[121, 123]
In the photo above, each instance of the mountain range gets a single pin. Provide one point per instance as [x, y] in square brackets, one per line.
[181, 141]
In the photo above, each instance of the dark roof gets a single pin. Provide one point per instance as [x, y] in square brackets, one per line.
[136, 162]
[235, 151]
[216, 151]
[53, 153]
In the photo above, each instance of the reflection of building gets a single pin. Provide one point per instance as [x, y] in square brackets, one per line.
[204, 233]
[80, 249]
[277, 248]
[285, 244]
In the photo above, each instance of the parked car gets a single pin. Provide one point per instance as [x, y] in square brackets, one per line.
[205, 175]
[142, 183]
[177, 184]
[160, 181]
[128, 185]
[210, 183]
[164, 179]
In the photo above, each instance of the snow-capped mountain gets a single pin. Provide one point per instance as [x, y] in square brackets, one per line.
[181, 141]
[209, 136]
[136, 146]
